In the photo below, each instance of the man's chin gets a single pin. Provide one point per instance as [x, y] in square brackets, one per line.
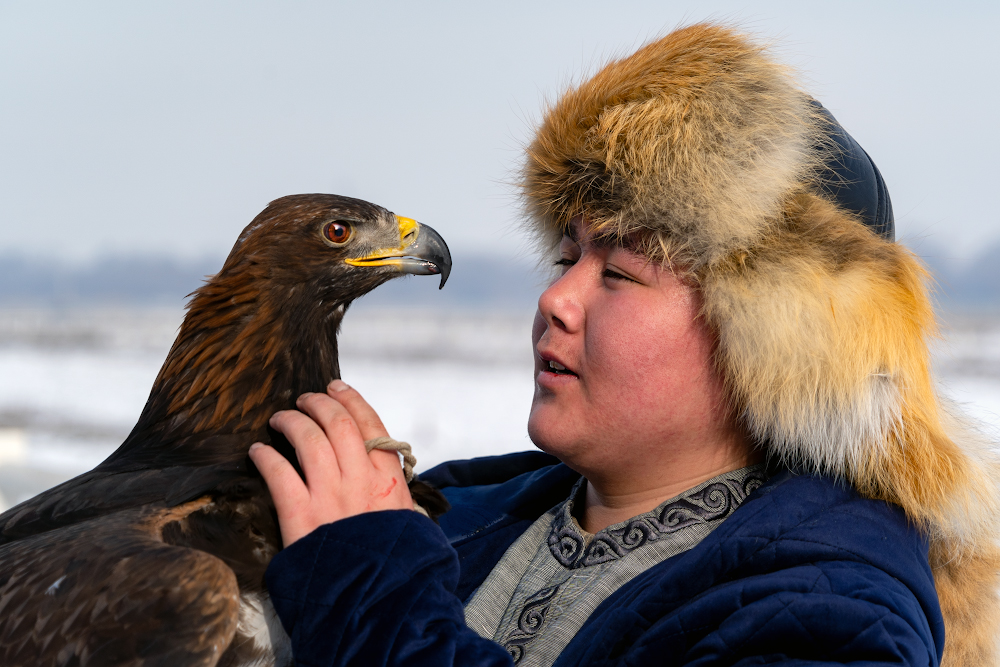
[546, 430]
[533, 432]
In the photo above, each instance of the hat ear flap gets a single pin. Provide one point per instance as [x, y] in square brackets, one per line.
[822, 336]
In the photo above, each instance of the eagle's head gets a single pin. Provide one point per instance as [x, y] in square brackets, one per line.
[334, 249]
[263, 330]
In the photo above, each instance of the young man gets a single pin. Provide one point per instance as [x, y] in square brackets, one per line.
[746, 460]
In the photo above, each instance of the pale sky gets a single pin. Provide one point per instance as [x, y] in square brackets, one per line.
[164, 127]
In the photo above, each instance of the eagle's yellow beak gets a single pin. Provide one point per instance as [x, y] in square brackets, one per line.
[421, 251]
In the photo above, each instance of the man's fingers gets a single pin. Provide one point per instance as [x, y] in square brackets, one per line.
[364, 415]
[341, 431]
[368, 423]
[312, 447]
[290, 495]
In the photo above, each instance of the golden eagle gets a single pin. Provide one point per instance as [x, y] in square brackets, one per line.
[157, 556]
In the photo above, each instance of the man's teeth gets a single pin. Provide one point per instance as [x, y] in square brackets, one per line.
[557, 367]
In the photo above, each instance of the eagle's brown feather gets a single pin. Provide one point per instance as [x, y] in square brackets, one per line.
[110, 591]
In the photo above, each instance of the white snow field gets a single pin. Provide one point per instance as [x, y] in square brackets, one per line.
[454, 384]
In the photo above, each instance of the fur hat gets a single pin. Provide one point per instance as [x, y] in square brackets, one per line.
[704, 147]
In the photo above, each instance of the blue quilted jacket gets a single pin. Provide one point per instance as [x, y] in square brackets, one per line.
[805, 572]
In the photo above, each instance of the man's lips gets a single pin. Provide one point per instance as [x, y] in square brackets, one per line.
[554, 368]
[557, 368]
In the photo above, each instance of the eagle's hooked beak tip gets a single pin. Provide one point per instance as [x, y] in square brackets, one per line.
[428, 254]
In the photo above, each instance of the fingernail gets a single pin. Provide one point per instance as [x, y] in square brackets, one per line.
[303, 397]
[338, 385]
[256, 445]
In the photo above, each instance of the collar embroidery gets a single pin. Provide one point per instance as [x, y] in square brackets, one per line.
[574, 548]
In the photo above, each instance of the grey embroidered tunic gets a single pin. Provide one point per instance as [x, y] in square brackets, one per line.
[556, 574]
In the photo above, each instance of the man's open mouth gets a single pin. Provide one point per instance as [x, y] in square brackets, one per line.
[559, 369]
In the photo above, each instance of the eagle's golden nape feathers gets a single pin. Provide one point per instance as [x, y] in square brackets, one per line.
[159, 553]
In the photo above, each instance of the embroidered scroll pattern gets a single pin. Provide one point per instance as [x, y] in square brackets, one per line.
[711, 503]
[529, 622]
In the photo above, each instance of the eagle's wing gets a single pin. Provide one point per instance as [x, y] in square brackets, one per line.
[101, 491]
[110, 592]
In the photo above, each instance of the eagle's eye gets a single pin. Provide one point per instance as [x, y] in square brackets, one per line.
[337, 232]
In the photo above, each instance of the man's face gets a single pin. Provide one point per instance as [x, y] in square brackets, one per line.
[638, 361]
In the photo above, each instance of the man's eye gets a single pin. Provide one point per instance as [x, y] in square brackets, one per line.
[565, 261]
[611, 274]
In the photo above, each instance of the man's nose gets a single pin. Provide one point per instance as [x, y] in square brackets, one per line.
[560, 304]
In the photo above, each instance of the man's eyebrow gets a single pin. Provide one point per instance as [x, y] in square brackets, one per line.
[602, 241]
[605, 241]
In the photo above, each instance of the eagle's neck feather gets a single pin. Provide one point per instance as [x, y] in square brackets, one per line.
[240, 356]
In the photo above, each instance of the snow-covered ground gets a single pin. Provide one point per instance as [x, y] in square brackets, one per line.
[454, 384]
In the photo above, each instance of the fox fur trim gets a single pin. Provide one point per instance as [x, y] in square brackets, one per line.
[707, 151]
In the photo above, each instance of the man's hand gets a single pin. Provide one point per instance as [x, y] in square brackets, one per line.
[342, 479]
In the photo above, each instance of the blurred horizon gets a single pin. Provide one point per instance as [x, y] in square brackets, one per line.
[137, 281]
[477, 281]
